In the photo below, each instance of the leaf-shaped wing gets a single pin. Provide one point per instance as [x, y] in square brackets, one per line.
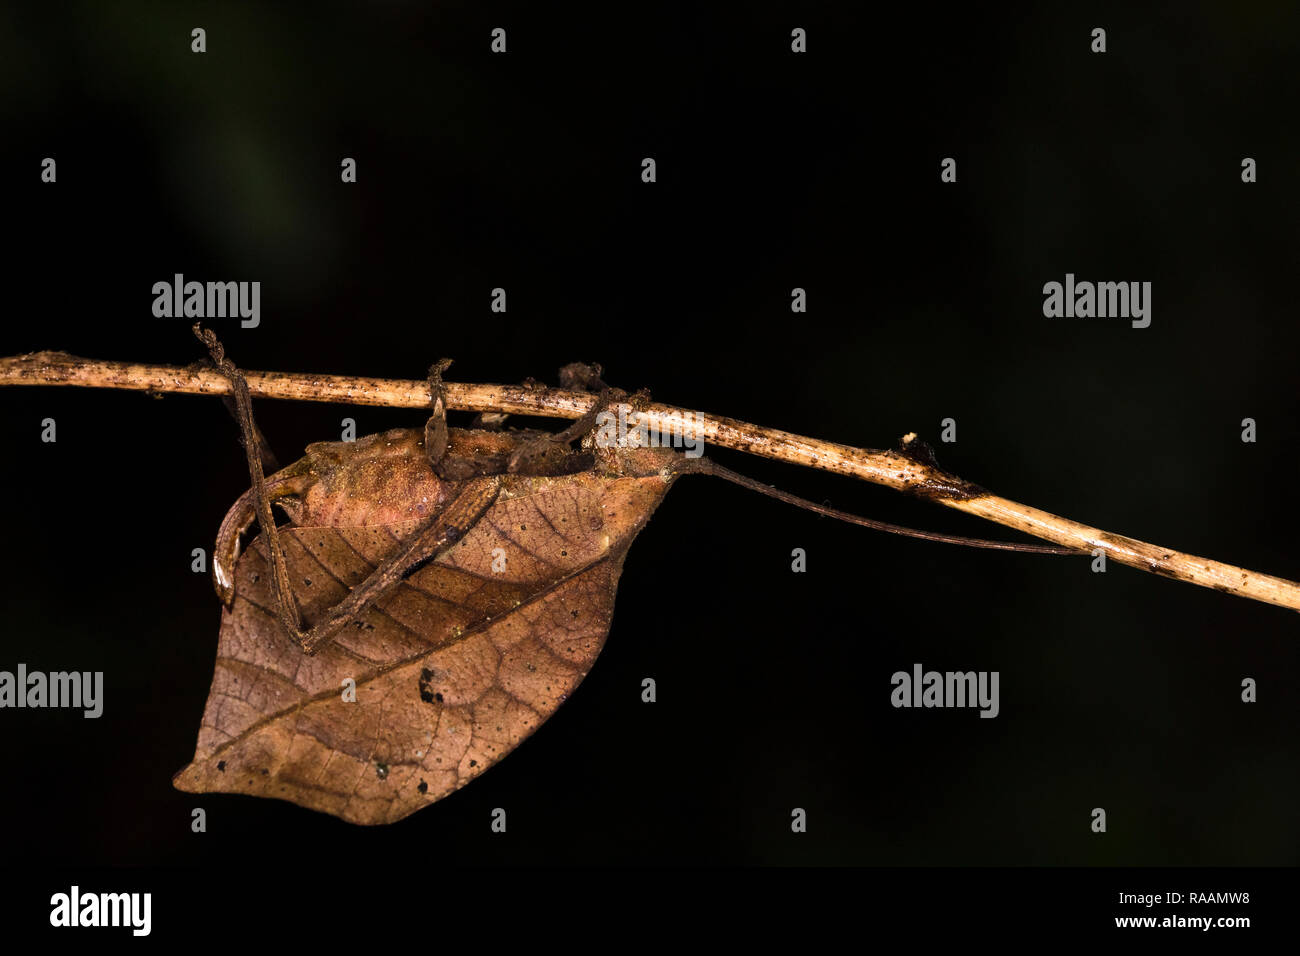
[451, 670]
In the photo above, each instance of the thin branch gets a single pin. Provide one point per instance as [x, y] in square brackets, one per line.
[894, 469]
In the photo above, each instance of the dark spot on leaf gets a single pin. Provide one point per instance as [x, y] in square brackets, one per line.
[221, 765]
[438, 698]
[381, 770]
[426, 692]
[473, 763]
[307, 581]
[423, 787]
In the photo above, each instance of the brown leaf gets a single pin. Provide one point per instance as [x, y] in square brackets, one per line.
[456, 665]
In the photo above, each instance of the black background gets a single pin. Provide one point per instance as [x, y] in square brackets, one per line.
[1118, 690]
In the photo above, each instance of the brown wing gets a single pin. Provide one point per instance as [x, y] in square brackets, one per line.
[452, 670]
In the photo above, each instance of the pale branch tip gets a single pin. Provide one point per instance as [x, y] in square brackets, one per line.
[893, 469]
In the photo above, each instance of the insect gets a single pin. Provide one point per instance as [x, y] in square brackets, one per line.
[434, 596]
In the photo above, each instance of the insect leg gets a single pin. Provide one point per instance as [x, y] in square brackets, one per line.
[435, 429]
[607, 399]
[286, 606]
